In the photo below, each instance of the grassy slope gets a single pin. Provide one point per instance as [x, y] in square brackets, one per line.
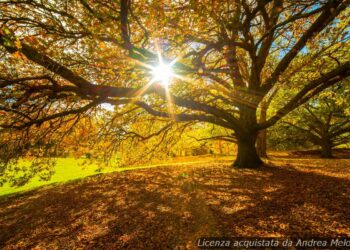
[165, 208]
[68, 169]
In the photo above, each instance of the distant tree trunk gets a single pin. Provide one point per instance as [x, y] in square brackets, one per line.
[326, 149]
[261, 144]
[262, 136]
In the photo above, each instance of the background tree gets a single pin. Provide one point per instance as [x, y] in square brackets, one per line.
[324, 121]
[261, 142]
[77, 55]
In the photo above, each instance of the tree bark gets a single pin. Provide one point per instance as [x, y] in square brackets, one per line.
[326, 150]
[261, 143]
[262, 136]
[247, 156]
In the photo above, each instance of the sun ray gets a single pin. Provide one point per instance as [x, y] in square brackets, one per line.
[162, 74]
[170, 104]
[143, 89]
[160, 58]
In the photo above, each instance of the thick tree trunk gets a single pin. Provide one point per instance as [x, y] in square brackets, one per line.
[247, 156]
[326, 150]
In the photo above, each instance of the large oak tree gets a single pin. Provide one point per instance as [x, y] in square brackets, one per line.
[64, 58]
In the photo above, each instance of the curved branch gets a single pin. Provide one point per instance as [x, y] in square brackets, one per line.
[184, 117]
[310, 90]
[54, 116]
[331, 10]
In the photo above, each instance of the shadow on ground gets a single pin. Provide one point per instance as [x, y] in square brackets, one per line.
[167, 207]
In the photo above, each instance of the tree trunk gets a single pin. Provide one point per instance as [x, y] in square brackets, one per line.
[261, 143]
[262, 136]
[326, 150]
[247, 156]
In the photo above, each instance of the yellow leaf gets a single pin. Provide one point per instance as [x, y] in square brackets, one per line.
[102, 45]
[18, 44]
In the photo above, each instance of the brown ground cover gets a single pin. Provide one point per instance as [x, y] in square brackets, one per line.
[169, 207]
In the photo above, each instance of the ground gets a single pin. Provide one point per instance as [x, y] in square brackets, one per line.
[169, 207]
[68, 169]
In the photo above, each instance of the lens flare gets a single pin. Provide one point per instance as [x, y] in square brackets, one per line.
[162, 74]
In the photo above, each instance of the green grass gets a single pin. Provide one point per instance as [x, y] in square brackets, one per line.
[67, 169]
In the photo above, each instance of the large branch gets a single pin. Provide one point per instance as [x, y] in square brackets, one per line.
[218, 138]
[312, 136]
[86, 88]
[84, 85]
[190, 104]
[124, 23]
[341, 131]
[331, 10]
[184, 117]
[291, 19]
[268, 40]
[310, 90]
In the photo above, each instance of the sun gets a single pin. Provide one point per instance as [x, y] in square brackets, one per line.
[162, 73]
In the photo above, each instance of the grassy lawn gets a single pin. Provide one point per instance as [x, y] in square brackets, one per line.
[68, 169]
